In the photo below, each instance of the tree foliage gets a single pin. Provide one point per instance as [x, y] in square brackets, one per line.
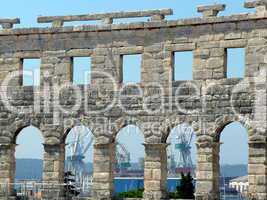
[131, 194]
[186, 188]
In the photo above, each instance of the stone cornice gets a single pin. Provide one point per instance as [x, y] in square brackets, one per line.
[137, 25]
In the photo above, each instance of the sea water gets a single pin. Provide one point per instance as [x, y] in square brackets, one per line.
[126, 184]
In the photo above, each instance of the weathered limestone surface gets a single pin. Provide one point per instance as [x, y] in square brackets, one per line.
[8, 23]
[209, 102]
[107, 18]
[155, 171]
[211, 11]
[103, 170]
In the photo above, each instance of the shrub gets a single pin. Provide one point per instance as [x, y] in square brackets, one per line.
[131, 194]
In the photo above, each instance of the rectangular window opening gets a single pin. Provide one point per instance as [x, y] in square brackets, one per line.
[235, 62]
[31, 71]
[131, 68]
[183, 66]
[81, 67]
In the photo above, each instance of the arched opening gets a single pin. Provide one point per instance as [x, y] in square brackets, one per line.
[181, 157]
[29, 155]
[129, 160]
[79, 162]
[233, 161]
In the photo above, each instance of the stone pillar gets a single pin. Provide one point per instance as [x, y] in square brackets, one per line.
[155, 172]
[53, 171]
[207, 174]
[257, 170]
[216, 169]
[104, 156]
[7, 170]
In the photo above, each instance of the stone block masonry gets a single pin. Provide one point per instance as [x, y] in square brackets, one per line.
[8, 23]
[158, 103]
[107, 18]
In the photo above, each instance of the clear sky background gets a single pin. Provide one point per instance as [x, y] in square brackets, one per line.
[234, 137]
[28, 10]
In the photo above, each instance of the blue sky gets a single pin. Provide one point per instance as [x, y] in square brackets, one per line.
[234, 136]
[28, 10]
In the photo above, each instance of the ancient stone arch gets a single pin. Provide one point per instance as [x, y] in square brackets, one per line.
[208, 102]
[222, 122]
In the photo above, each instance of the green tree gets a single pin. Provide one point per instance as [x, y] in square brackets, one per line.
[186, 188]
